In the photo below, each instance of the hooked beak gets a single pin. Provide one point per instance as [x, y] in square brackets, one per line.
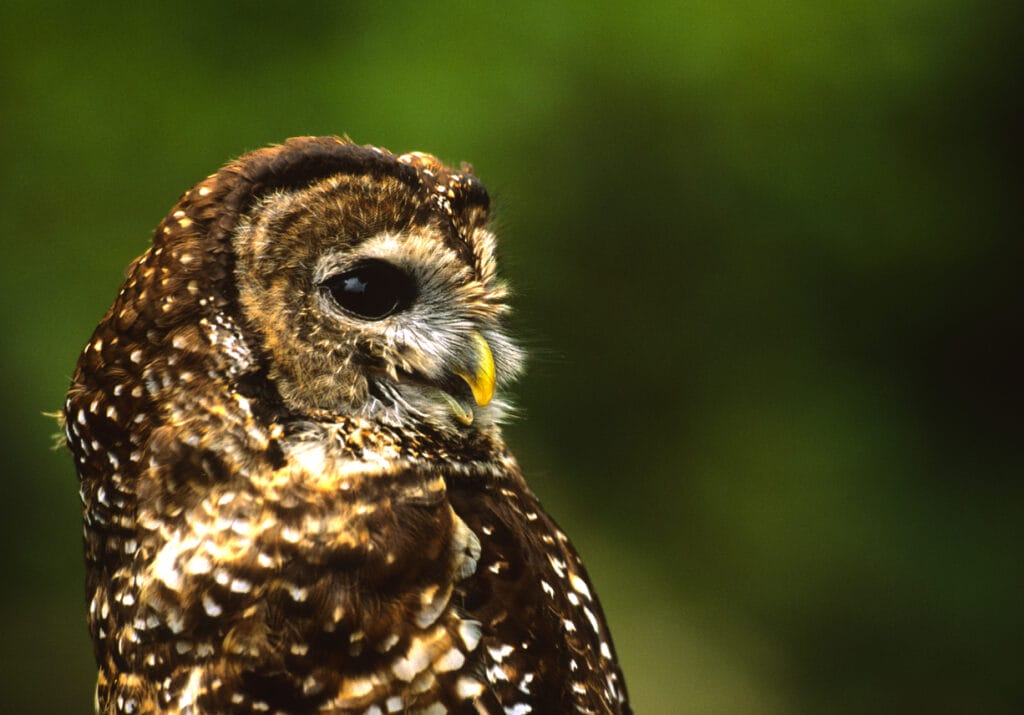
[480, 374]
[475, 369]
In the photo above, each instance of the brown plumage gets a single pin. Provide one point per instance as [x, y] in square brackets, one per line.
[295, 491]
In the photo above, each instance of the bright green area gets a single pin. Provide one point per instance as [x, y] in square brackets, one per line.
[767, 255]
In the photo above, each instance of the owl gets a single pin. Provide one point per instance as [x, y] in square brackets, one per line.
[296, 495]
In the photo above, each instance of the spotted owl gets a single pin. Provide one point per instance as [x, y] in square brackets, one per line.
[296, 495]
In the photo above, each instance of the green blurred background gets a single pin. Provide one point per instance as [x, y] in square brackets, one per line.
[767, 257]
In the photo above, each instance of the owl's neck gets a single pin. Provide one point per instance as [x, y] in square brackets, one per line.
[332, 443]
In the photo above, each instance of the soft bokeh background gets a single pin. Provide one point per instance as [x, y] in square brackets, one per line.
[768, 258]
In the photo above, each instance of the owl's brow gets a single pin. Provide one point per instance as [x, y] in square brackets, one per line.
[297, 165]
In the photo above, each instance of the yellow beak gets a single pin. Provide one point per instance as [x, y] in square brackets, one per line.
[480, 377]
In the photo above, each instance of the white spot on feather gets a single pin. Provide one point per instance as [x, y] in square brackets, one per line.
[311, 457]
[580, 586]
[192, 690]
[469, 632]
[467, 688]
[452, 660]
[165, 565]
[499, 654]
[211, 607]
[518, 709]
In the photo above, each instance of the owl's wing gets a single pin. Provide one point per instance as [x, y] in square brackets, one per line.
[546, 645]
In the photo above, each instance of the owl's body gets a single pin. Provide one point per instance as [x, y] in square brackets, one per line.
[295, 491]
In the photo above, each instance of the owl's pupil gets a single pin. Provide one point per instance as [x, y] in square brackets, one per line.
[372, 290]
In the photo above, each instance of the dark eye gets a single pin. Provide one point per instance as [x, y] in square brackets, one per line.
[372, 290]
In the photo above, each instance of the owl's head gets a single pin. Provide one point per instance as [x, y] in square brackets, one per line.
[362, 283]
[379, 298]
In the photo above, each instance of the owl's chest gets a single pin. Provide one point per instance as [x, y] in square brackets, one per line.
[327, 520]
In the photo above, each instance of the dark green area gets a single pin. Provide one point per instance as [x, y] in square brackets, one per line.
[768, 259]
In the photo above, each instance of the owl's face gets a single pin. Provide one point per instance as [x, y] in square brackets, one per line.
[369, 302]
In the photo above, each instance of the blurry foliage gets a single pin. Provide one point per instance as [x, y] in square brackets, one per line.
[768, 261]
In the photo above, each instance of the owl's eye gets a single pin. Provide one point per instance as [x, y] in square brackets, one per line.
[372, 290]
